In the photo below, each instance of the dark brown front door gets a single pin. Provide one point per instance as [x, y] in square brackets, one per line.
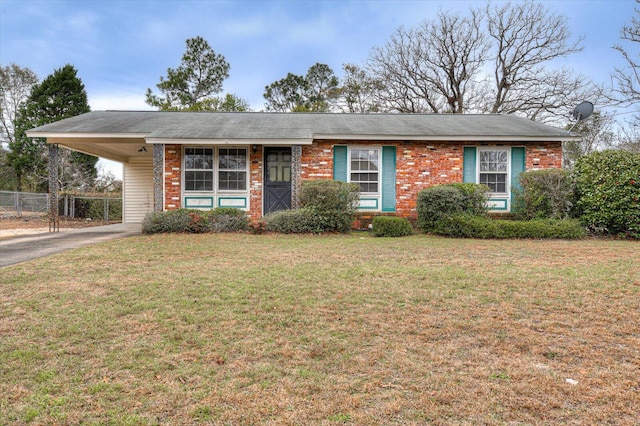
[277, 179]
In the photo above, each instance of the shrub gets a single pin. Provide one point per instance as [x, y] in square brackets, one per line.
[326, 206]
[440, 201]
[195, 221]
[299, 221]
[226, 219]
[391, 226]
[475, 197]
[469, 226]
[168, 221]
[608, 190]
[545, 193]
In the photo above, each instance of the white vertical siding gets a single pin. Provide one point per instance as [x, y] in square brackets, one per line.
[137, 190]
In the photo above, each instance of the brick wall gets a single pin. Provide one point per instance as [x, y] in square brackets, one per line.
[420, 165]
[172, 177]
[544, 155]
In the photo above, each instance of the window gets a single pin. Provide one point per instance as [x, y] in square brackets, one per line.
[493, 169]
[198, 169]
[232, 169]
[365, 169]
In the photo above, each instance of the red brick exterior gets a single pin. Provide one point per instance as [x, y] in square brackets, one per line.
[419, 165]
[172, 177]
[543, 155]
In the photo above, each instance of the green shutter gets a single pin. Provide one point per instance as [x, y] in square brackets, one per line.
[388, 178]
[469, 164]
[517, 166]
[340, 163]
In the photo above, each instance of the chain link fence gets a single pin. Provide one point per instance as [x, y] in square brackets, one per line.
[108, 209]
[18, 203]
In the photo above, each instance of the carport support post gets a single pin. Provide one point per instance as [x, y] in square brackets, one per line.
[158, 175]
[296, 175]
[54, 218]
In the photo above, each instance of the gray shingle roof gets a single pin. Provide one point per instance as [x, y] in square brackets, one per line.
[160, 125]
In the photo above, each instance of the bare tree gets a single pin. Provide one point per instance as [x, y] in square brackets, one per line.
[15, 85]
[527, 37]
[430, 68]
[497, 60]
[627, 80]
[597, 132]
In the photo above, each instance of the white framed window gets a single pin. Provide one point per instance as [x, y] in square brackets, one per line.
[198, 169]
[494, 169]
[364, 169]
[232, 169]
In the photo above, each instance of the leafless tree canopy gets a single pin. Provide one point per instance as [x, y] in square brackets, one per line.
[430, 68]
[627, 79]
[15, 85]
[497, 60]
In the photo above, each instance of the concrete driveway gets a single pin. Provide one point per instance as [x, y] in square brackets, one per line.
[27, 247]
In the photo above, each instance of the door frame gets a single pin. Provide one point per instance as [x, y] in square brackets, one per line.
[265, 170]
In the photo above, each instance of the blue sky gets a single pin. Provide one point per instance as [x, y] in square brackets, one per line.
[122, 47]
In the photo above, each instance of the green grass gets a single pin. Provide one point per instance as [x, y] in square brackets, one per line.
[242, 329]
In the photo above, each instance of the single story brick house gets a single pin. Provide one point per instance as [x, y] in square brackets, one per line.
[256, 161]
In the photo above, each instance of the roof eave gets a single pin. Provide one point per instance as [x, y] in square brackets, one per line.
[458, 138]
[228, 141]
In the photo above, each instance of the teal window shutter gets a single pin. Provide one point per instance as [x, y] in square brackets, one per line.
[340, 163]
[469, 164]
[517, 165]
[388, 178]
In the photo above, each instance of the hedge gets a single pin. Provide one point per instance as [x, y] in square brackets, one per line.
[469, 226]
[195, 221]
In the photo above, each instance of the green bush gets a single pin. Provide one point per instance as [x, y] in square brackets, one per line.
[299, 221]
[332, 204]
[469, 226]
[440, 201]
[226, 219]
[391, 226]
[475, 197]
[195, 221]
[548, 193]
[608, 190]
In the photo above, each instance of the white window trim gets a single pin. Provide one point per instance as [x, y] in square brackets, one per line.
[366, 148]
[215, 170]
[218, 170]
[508, 173]
[184, 171]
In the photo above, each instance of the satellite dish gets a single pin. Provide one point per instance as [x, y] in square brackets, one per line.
[583, 111]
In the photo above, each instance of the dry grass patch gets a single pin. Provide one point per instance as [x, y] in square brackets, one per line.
[241, 329]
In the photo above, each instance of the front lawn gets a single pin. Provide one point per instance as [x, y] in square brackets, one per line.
[295, 330]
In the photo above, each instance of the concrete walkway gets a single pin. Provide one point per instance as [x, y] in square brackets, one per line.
[22, 248]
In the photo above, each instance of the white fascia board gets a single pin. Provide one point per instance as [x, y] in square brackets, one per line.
[181, 141]
[65, 135]
[447, 138]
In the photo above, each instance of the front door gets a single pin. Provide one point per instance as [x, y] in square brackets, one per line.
[277, 179]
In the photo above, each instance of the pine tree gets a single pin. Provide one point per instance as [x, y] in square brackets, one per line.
[61, 95]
